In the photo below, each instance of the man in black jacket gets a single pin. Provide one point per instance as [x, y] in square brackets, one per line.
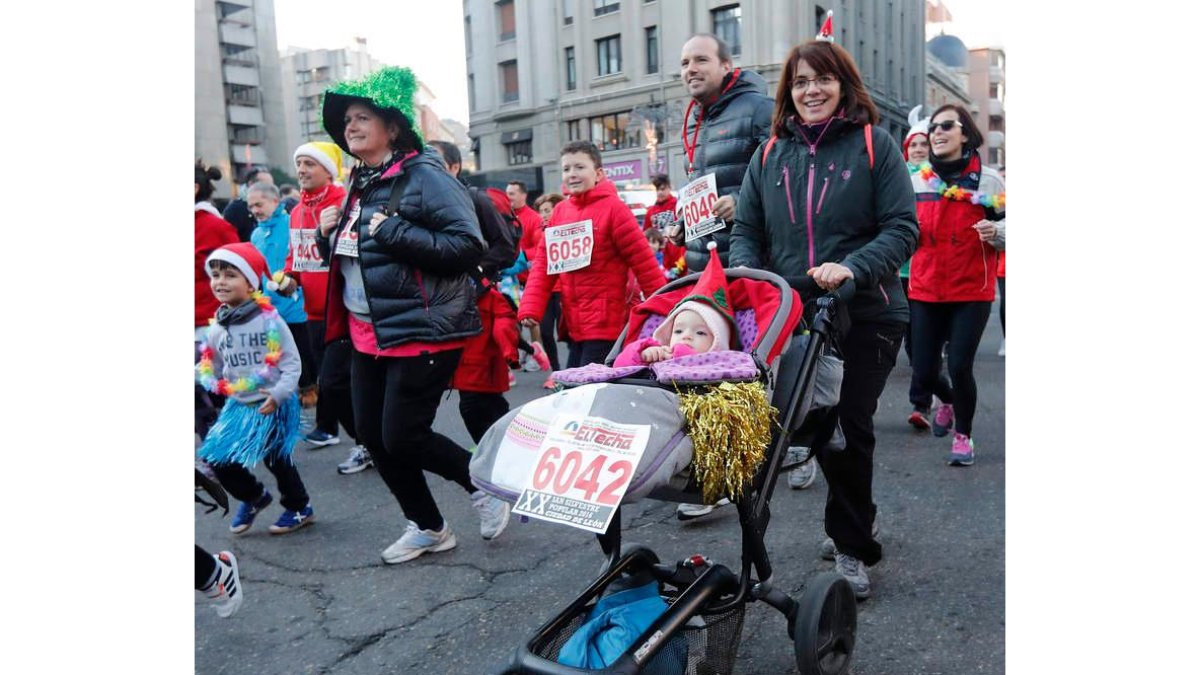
[237, 212]
[728, 117]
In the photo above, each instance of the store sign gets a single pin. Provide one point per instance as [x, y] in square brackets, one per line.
[624, 171]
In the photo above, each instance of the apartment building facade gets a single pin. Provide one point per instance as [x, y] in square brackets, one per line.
[607, 71]
[987, 66]
[239, 98]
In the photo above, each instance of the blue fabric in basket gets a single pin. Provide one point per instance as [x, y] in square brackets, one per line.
[615, 622]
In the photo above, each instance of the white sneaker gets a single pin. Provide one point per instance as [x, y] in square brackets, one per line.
[226, 592]
[855, 572]
[359, 460]
[416, 542]
[493, 514]
[690, 511]
[1001, 352]
[804, 475]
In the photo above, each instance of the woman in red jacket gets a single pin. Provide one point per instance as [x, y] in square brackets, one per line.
[590, 245]
[960, 208]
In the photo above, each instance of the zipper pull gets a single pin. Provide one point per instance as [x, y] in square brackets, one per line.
[812, 151]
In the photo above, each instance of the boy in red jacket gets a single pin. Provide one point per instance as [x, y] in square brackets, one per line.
[590, 245]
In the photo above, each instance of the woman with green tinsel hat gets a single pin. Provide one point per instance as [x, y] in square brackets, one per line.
[400, 253]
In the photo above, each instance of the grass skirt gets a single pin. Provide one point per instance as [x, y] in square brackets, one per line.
[242, 435]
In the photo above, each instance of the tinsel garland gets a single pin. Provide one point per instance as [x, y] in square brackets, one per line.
[730, 427]
[208, 376]
[956, 194]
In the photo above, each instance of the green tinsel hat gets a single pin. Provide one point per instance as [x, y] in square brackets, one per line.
[390, 89]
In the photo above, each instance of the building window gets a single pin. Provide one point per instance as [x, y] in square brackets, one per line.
[575, 130]
[995, 123]
[605, 6]
[820, 12]
[993, 156]
[568, 9]
[520, 152]
[508, 75]
[471, 91]
[993, 90]
[467, 33]
[652, 49]
[570, 52]
[507, 18]
[727, 25]
[612, 132]
[608, 55]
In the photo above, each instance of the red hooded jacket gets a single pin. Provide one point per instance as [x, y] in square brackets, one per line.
[307, 216]
[594, 301]
[531, 236]
[212, 232]
[485, 358]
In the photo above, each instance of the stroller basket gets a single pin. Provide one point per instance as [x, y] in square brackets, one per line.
[708, 643]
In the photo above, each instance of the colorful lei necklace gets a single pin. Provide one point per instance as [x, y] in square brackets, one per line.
[208, 378]
[956, 194]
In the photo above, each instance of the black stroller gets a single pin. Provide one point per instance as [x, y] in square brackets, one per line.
[701, 628]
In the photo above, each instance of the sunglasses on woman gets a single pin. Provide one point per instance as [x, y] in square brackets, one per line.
[944, 125]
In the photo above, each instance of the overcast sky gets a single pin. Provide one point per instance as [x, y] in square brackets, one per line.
[427, 36]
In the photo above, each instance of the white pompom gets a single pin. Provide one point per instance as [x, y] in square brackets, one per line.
[712, 245]
[272, 286]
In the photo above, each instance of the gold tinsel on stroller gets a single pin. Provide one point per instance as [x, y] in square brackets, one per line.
[730, 427]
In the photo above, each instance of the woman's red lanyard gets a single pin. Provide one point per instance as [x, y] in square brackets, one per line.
[690, 148]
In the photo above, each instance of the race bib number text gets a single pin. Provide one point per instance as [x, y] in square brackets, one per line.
[584, 467]
[347, 242]
[697, 200]
[569, 247]
[305, 256]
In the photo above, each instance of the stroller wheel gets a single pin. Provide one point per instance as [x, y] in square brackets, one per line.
[826, 622]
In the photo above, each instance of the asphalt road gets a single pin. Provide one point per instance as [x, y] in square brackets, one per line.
[321, 601]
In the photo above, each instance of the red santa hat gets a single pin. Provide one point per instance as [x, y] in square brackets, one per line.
[710, 299]
[826, 34]
[245, 258]
[918, 126]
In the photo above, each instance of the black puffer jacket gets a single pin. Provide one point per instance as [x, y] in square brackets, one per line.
[416, 268]
[731, 130]
[801, 210]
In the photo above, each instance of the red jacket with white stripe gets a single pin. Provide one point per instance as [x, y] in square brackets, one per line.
[951, 263]
[594, 301]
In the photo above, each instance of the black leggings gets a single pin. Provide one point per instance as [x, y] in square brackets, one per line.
[961, 324]
[550, 328]
[584, 352]
[869, 351]
[245, 486]
[206, 568]
[395, 402]
[308, 366]
[333, 399]
[480, 411]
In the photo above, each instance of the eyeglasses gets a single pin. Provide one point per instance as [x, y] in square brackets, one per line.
[944, 125]
[822, 82]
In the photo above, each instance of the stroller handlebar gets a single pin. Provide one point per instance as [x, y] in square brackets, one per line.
[807, 287]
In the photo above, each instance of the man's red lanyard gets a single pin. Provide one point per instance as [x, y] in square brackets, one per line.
[690, 148]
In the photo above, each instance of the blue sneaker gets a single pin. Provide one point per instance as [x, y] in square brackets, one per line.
[320, 438]
[290, 521]
[244, 517]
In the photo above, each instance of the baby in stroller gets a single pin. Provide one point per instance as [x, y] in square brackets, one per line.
[701, 322]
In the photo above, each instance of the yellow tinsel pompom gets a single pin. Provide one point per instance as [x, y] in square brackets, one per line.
[730, 427]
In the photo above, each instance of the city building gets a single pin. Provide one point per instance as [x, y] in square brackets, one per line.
[946, 78]
[307, 73]
[239, 99]
[541, 73]
[987, 89]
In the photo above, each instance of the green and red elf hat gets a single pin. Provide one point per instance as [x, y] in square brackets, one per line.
[710, 299]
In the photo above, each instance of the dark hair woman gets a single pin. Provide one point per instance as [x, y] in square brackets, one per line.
[960, 206]
[399, 286]
[828, 196]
